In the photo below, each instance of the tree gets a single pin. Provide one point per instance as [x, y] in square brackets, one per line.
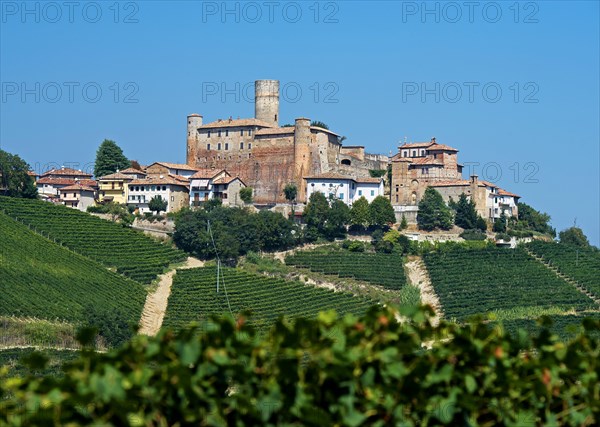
[246, 194]
[157, 204]
[359, 214]
[315, 214]
[466, 215]
[500, 224]
[381, 212]
[531, 219]
[109, 158]
[291, 192]
[433, 212]
[338, 218]
[319, 124]
[403, 223]
[14, 179]
[481, 224]
[574, 236]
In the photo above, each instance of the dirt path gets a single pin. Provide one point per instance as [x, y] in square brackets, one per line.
[282, 254]
[156, 302]
[418, 276]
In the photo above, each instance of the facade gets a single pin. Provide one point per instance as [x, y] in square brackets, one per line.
[266, 156]
[344, 188]
[429, 164]
[51, 182]
[114, 187]
[172, 188]
[175, 169]
[227, 188]
[78, 196]
[211, 184]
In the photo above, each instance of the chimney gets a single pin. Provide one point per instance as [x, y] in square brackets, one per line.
[474, 179]
[230, 119]
[433, 139]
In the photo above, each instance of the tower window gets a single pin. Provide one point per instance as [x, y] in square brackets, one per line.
[241, 145]
[219, 133]
[249, 146]
[242, 132]
[208, 146]
[226, 146]
[219, 146]
[208, 134]
[249, 131]
[227, 132]
[275, 117]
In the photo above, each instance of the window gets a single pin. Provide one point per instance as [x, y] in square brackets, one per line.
[341, 196]
[372, 192]
[227, 132]
[249, 132]
[396, 198]
[208, 134]
[360, 192]
[153, 188]
[242, 132]
[312, 185]
[113, 185]
[226, 146]
[422, 152]
[249, 146]
[164, 188]
[331, 195]
[435, 156]
[219, 146]
[208, 147]
[414, 153]
[219, 133]
[275, 117]
[172, 198]
[241, 145]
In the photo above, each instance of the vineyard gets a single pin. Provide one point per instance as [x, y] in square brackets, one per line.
[385, 270]
[565, 326]
[43, 280]
[580, 264]
[13, 360]
[130, 252]
[474, 281]
[194, 297]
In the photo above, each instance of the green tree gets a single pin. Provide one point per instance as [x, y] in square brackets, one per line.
[359, 214]
[14, 179]
[433, 212]
[109, 158]
[315, 215]
[338, 218]
[157, 204]
[291, 192]
[500, 224]
[466, 215]
[531, 219]
[381, 212]
[319, 124]
[574, 236]
[481, 224]
[403, 223]
[246, 194]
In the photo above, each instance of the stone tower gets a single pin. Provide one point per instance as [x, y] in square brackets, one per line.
[194, 121]
[266, 101]
[302, 154]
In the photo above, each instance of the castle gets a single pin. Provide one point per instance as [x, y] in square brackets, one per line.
[266, 156]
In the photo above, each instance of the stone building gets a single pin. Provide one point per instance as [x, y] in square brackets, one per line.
[215, 184]
[78, 196]
[266, 156]
[429, 164]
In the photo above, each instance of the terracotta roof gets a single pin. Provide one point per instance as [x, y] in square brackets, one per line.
[32, 173]
[506, 193]
[488, 184]
[77, 187]
[181, 166]
[416, 145]
[207, 173]
[66, 172]
[275, 131]
[236, 123]
[66, 181]
[442, 147]
[115, 176]
[428, 160]
[398, 158]
[165, 180]
[132, 171]
[339, 177]
[227, 180]
[368, 180]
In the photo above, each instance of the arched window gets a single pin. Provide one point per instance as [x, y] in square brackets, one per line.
[346, 162]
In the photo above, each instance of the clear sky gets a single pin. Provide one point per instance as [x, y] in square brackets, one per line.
[513, 86]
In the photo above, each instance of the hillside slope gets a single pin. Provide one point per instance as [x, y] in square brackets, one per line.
[41, 279]
[131, 252]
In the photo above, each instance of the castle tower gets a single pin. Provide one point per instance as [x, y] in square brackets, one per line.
[302, 154]
[266, 101]
[194, 121]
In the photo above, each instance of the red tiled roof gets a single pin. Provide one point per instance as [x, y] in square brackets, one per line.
[67, 172]
[441, 147]
[165, 180]
[77, 187]
[235, 123]
[181, 166]
[427, 160]
[115, 177]
[132, 171]
[66, 181]
[32, 173]
[227, 180]
[416, 145]
[368, 180]
[207, 173]
[506, 193]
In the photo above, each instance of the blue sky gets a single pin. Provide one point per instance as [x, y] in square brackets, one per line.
[376, 72]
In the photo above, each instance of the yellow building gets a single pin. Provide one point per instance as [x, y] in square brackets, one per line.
[114, 188]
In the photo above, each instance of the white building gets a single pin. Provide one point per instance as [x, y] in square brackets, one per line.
[215, 184]
[173, 189]
[344, 188]
[78, 196]
[51, 182]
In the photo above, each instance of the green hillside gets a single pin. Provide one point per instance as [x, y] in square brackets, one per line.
[580, 264]
[131, 252]
[44, 280]
[194, 297]
[506, 282]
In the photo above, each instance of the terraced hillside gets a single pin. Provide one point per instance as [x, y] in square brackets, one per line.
[579, 264]
[194, 297]
[507, 282]
[41, 279]
[565, 325]
[130, 252]
[384, 270]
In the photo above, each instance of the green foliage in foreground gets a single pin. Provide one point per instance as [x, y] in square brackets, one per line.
[16, 362]
[369, 371]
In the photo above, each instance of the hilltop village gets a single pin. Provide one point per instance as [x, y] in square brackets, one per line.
[226, 155]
